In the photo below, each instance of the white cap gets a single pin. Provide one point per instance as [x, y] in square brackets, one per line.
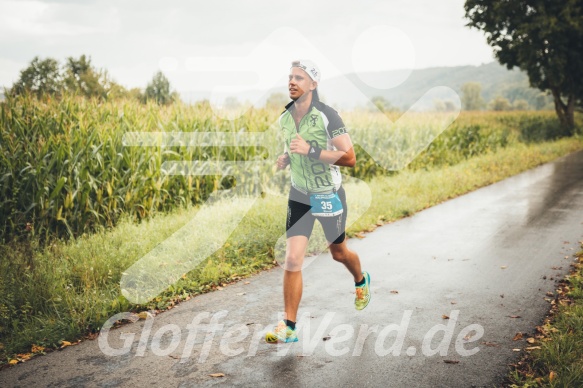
[309, 67]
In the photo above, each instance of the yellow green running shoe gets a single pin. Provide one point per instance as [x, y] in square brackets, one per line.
[363, 293]
[282, 333]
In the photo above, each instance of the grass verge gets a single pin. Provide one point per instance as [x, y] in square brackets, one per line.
[69, 290]
[556, 359]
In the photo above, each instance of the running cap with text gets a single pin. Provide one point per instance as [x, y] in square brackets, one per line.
[309, 67]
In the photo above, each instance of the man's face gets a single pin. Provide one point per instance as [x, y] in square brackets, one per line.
[299, 83]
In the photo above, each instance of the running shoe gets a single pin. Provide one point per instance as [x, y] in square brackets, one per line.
[363, 293]
[282, 334]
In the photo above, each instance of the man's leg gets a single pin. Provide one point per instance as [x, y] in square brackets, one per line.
[349, 258]
[292, 290]
[299, 226]
[292, 277]
[341, 253]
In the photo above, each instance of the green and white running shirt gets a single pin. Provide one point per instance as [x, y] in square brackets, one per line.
[318, 127]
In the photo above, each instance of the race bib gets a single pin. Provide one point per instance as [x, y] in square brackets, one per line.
[326, 205]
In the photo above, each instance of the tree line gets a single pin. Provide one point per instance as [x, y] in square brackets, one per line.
[47, 77]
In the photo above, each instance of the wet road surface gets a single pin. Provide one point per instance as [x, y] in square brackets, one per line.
[485, 259]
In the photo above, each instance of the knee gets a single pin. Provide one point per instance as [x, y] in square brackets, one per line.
[293, 262]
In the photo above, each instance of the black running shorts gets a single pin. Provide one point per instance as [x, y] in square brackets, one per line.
[300, 220]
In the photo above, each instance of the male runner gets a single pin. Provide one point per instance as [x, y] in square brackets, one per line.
[316, 143]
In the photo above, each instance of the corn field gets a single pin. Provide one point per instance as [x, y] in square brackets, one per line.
[66, 168]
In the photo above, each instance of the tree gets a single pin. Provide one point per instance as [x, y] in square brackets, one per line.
[520, 105]
[543, 38]
[449, 106]
[136, 93]
[76, 76]
[472, 96]
[443, 106]
[542, 101]
[40, 77]
[159, 89]
[500, 104]
[382, 104]
[276, 101]
[80, 77]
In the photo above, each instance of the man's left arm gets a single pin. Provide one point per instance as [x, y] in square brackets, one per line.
[344, 153]
[342, 156]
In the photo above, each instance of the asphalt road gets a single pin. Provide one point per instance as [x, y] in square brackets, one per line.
[485, 259]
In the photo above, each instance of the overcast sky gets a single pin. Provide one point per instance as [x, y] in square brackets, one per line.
[201, 45]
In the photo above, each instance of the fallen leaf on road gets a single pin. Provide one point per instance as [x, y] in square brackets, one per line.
[444, 316]
[64, 344]
[516, 350]
[451, 361]
[326, 338]
[530, 340]
[490, 343]
[13, 362]
[550, 294]
[37, 349]
[470, 335]
[504, 267]
[217, 375]
[143, 315]
[24, 356]
[453, 302]
[241, 293]
[517, 337]
[532, 348]
[394, 292]
[514, 316]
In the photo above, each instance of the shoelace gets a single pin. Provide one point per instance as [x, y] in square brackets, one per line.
[281, 327]
[360, 293]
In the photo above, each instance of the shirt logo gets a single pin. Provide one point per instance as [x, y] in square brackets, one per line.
[339, 131]
[313, 119]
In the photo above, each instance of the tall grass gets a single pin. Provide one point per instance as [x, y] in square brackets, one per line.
[64, 169]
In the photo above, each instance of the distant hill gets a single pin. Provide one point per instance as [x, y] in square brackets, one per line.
[495, 79]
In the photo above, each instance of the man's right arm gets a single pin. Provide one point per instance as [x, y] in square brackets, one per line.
[282, 161]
